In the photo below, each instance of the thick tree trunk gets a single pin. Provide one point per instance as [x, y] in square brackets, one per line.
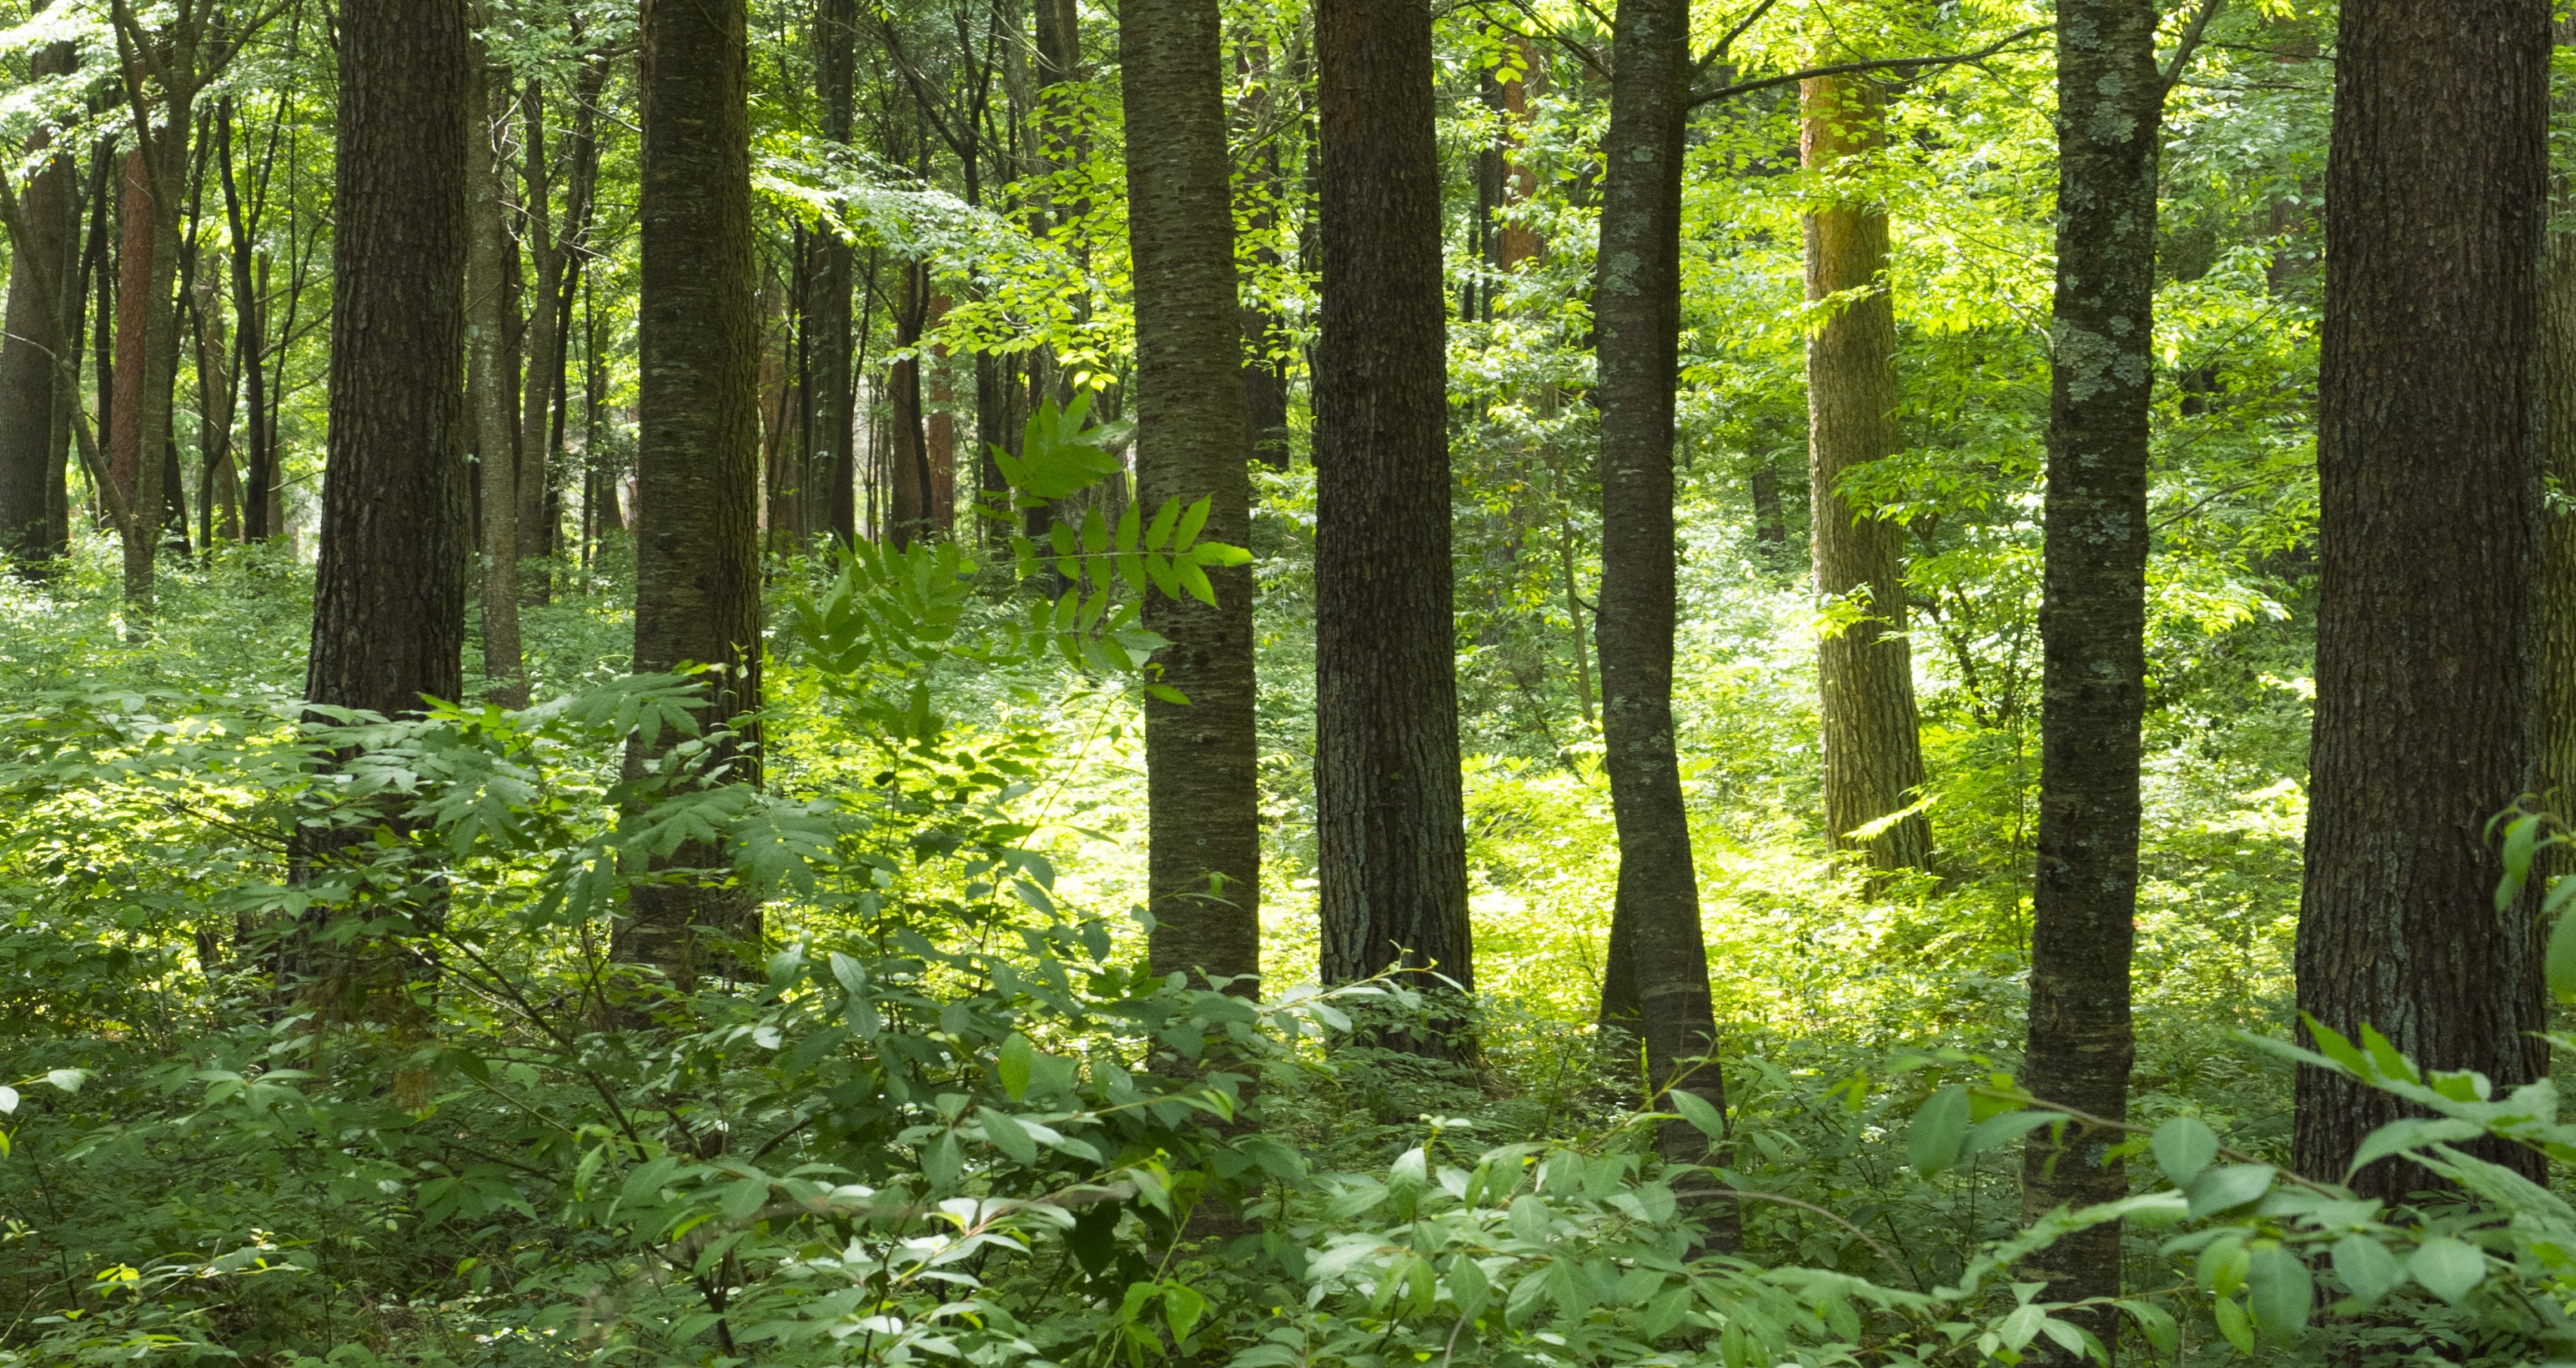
[1202, 780]
[485, 399]
[2092, 622]
[1389, 819]
[389, 592]
[2429, 476]
[1873, 751]
[133, 424]
[31, 380]
[1637, 308]
[827, 318]
[908, 478]
[697, 539]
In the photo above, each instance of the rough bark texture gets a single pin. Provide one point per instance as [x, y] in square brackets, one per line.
[138, 480]
[1264, 334]
[1865, 672]
[2556, 779]
[1637, 311]
[827, 319]
[31, 456]
[697, 531]
[1202, 782]
[2428, 469]
[543, 349]
[2092, 621]
[486, 393]
[389, 592]
[1392, 857]
[908, 472]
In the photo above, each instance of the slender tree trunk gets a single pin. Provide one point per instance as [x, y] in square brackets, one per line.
[1390, 812]
[543, 350]
[939, 428]
[1873, 753]
[31, 383]
[1637, 305]
[250, 329]
[1202, 780]
[698, 467]
[1265, 337]
[2556, 780]
[828, 321]
[2429, 477]
[132, 423]
[1770, 516]
[2092, 623]
[908, 488]
[486, 401]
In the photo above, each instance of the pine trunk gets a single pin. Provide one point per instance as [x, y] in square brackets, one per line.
[2429, 478]
[1865, 671]
[485, 394]
[1389, 818]
[697, 538]
[1637, 308]
[1202, 778]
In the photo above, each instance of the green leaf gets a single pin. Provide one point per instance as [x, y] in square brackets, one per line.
[1468, 1286]
[1018, 1059]
[2000, 1130]
[1095, 532]
[1696, 1110]
[1191, 522]
[2282, 1293]
[1940, 1129]
[1128, 525]
[2154, 1323]
[2560, 963]
[2366, 1266]
[1195, 580]
[2184, 1146]
[2521, 840]
[2448, 1268]
[1220, 553]
[1159, 532]
[2413, 1132]
[69, 1080]
[1008, 1135]
[2232, 1324]
[1182, 1307]
[2227, 1188]
[943, 1162]
[743, 1198]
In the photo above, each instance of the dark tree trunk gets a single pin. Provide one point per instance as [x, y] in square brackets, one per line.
[827, 318]
[1264, 335]
[251, 338]
[2556, 773]
[31, 382]
[2429, 477]
[697, 539]
[1770, 517]
[1389, 813]
[1873, 750]
[1637, 307]
[133, 427]
[908, 483]
[1202, 778]
[543, 349]
[486, 399]
[2092, 622]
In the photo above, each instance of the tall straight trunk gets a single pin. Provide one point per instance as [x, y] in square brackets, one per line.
[31, 381]
[127, 436]
[1865, 672]
[252, 335]
[2429, 480]
[939, 427]
[908, 485]
[2092, 623]
[218, 505]
[389, 592]
[1058, 25]
[1637, 305]
[543, 350]
[487, 404]
[828, 314]
[1390, 813]
[697, 541]
[2555, 781]
[1516, 243]
[1202, 780]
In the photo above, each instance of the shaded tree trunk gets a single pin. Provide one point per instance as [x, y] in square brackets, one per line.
[1389, 809]
[908, 478]
[2092, 624]
[2429, 478]
[32, 384]
[1637, 305]
[1865, 672]
[486, 399]
[1264, 334]
[827, 318]
[542, 346]
[1202, 779]
[697, 529]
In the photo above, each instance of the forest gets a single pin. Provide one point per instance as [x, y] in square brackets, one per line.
[1287, 683]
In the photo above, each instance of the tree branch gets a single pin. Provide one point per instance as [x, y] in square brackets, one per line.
[1895, 65]
[2189, 44]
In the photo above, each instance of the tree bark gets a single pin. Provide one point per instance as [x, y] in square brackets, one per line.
[138, 480]
[31, 383]
[1865, 672]
[697, 539]
[2429, 478]
[1637, 312]
[389, 592]
[827, 318]
[1202, 779]
[1263, 333]
[908, 482]
[543, 351]
[486, 399]
[1389, 818]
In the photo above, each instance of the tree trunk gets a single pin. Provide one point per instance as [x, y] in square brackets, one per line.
[253, 339]
[2092, 624]
[31, 383]
[2429, 480]
[543, 350]
[939, 428]
[1770, 516]
[132, 425]
[1264, 335]
[1873, 753]
[1637, 305]
[1202, 780]
[828, 317]
[908, 483]
[485, 398]
[1389, 810]
[697, 539]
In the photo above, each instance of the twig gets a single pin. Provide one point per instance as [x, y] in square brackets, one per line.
[1893, 65]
